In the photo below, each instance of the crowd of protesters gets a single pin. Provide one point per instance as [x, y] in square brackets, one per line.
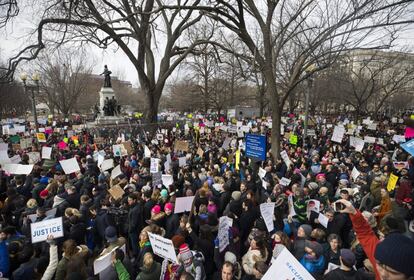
[369, 233]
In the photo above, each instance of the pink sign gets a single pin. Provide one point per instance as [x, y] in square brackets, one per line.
[409, 132]
[62, 145]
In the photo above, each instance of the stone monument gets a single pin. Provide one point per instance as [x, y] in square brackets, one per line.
[108, 110]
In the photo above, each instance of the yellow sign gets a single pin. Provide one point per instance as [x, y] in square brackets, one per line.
[41, 137]
[237, 159]
[190, 116]
[392, 181]
[293, 139]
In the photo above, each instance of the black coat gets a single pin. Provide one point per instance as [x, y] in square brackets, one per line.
[102, 221]
[135, 219]
[172, 222]
[77, 232]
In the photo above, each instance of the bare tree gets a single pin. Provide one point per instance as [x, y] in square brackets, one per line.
[135, 27]
[285, 38]
[65, 79]
[8, 10]
[14, 102]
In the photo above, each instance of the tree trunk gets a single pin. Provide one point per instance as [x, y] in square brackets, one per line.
[151, 118]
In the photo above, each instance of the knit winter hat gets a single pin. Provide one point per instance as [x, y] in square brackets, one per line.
[156, 209]
[397, 252]
[307, 229]
[44, 193]
[164, 193]
[168, 206]
[315, 247]
[230, 257]
[185, 253]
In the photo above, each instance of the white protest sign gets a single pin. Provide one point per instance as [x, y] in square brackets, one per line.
[285, 181]
[223, 232]
[183, 204]
[46, 152]
[107, 164]
[338, 134]
[69, 165]
[119, 150]
[4, 147]
[40, 230]
[167, 180]
[116, 172]
[357, 143]
[15, 159]
[18, 169]
[182, 161]
[101, 263]
[313, 205]
[154, 165]
[372, 126]
[34, 157]
[4, 157]
[285, 158]
[323, 220]
[162, 247]
[369, 139]
[226, 143]
[166, 165]
[147, 152]
[286, 266]
[398, 138]
[355, 173]
[267, 212]
[261, 173]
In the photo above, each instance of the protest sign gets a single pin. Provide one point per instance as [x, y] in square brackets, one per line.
[313, 205]
[128, 147]
[285, 181]
[286, 266]
[119, 150]
[34, 157]
[355, 173]
[357, 143]
[103, 262]
[267, 212]
[167, 166]
[167, 180]
[46, 152]
[369, 139]
[4, 157]
[181, 146]
[226, 143]
[147, 152]
[40, 231]
[18, 169]
[392, 182]
[409, 147]
[69, 165]
[116, 172]
[15, 159]
[398, 138]
[183, 204]
[156, 179]
[116, 192]
[162, 247]
[285, 157]
[256, 147]
[107, 164]
[261, 173]
[409, 132]
[223, 232]
[25, 143]
[323, 220]
[154, 165]
[293, 139]
[200, 152]
[182, 161]
[338, 134]
[41, 137]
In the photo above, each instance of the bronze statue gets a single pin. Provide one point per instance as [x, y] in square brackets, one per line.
[107, 74]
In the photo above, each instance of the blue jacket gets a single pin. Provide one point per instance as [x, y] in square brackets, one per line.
[4, 259]
[313, 266]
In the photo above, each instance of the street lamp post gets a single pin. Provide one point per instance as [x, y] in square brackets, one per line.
[36, 79]
[307, 93]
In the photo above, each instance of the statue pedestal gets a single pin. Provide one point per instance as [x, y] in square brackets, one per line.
[110, 120]
[106, 92]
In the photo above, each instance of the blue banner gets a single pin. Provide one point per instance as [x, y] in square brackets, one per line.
[256, 146]
[409, 147]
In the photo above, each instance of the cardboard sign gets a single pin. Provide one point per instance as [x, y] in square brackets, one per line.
[286, 266]
[162, 247]
[107, 164]
[267, 212]
[183, 204]
[40, 230]
[116, 192]
[200, 152]
[69, 165]
[181, 146]
[392, 182]
[128, 147]
[25, 143]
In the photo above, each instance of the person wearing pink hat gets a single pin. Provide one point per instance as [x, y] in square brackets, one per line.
[157, 216]
[172, 221]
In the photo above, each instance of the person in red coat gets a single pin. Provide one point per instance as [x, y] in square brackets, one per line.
[392, 258]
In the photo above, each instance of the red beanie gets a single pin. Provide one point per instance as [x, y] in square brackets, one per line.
[44, 193]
